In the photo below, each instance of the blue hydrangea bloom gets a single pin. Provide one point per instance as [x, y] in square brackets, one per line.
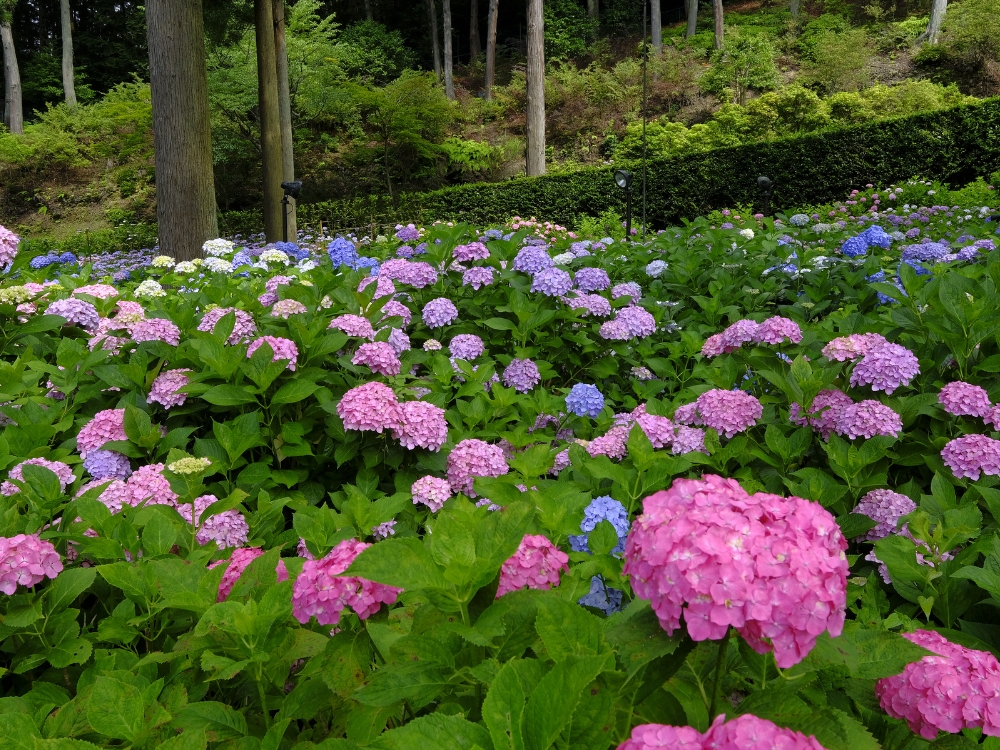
[493, 234]
[799, 220]
[342, 253]
[420, 249]
[876, 236]
[366, 262]
[68, 258]
[855, 247]
[584, 400]
[601, 597]
[242, 258]
[603, 508]
[925, 251]
[292, 250]
[43, 261]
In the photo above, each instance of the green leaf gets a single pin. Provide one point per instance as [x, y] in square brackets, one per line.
[159, 535]
[217, 720]
[552, 703]
[435, 732]
[499, 324]
[854, 525]
[17, 732]
[115, 709]
[238, 435]
[73, 651]
[294, 391]
[190, 740]
[405, 563]
[229, 395]
[415, 682]
[568, 629]
[602, 539]
[503, 708]
[67, 587]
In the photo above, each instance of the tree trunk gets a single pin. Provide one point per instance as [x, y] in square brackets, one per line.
[67, 57]
[449, 76]
[692, 24]
[535, 123]
[795, 9]
[717, 7]
[593, 9]
[475, 43]
[491, 48]
[270, 120]
[12, 81]
[938, 8]
[182, 135]
[368, 10]
[656, 25]
[435, 44]
[285, 111]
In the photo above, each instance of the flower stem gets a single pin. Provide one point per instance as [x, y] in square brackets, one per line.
[720, 663]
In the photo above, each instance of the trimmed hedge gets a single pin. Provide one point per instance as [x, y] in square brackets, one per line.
[953, 145]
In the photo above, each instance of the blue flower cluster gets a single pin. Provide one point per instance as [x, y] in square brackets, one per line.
[873, 236]
[366, 262]
[601, 597]
[885, 299]
[584, 400]
[43, 261]
[342, 253]
[603, 508]
[292, 250]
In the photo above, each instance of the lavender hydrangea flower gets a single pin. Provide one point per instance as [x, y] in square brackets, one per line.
[439, 312]
[101, 464]
[592, 280]
[466, 346]
[532, 260]
[552, 282]
[521, 375]
[585, 400]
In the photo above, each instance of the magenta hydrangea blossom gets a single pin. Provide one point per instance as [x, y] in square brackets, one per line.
[612, 444]
[76, 312]
[965, 400]
[238, 562]
[470, 252]
[886, 368]
[953, 689]
[243, 328]
[659, 430]
[886, 507]
[148, 485]
[353, 325]
[105, 426]
[379, 356]
[26, 560]
[432, 492]
[970, 455]
[781, 586]
[372, 406]
[321, 592]
[522, 375]
[777, 330]
[477, 277]
[473, 458]
[867, 419]
[60, 469]
[824, 412]
[439, 312]
[745, 732]
[536, 565]
[739, 333]
[993, 418]
[728, 412]
[422, 426]
[714, 346]
[283, 349]
[853, 346]
[166, 388]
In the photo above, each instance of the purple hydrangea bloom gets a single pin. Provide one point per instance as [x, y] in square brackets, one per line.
[592, 280]
[532, 259]
[101, 464]
[552, 282]
[925, 251]
[601, 597]
[439, 312]
[466, 346]
[522, 375]
[628, 289]
[477, 277]
[604, 508]
[591, 304]
[76, 311]
[585, 400]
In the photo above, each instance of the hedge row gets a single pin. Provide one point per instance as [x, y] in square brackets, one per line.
[953, 145]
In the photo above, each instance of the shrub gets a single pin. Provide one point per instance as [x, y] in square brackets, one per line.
[840, 60]
[745, 62]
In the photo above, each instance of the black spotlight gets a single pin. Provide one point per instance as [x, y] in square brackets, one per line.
[766, 187]
[623, 179]
[292, 190]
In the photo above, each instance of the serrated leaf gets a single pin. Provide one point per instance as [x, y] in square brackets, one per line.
[551, 704]
[115, 709]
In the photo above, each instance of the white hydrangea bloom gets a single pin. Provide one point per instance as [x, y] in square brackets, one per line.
[218, 247]
[150, 288]
[218, 265]
[746, 234]
[163, 261]
[563, 259]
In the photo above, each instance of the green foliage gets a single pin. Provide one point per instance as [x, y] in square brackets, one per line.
[840, 60]
[745, 62]
[568, 29]
[375, 53]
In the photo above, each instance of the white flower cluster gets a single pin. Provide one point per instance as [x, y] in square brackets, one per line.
[656, 268]
[563, 259]
[746, 234]
[218, 265]
[150, 288]
[218, 247]
[274, 256]
[163, 261]
[186, 266]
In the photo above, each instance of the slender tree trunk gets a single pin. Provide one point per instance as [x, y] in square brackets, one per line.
[656, 25]
[270, 120]
[938, 9]
[692, 24]
[435, 44]
[795, 9]
[717, 7]
[475, 43]
[67, 53]
[12, 81]
[535, 123]
[491, 47]
[182, 135]
[593, 8]
[368, 10]
[285, 111]
[449, 58]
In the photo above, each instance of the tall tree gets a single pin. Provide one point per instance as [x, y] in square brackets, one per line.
[938, 9]
[182, 136]
[449, 57]
[656, 25]
[692, 17]
[270, 120]
[13, 106]
[368, 10]
[67, 53]
[717, 8]
[491, 47]
[435, 44]
[535, 122]
[475, 43]
[593, 8]
[285, 111]
[795, 9]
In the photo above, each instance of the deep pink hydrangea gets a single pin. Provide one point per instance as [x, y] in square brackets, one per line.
[522, 375]
[439, 312]
[372, 406]
[728, 412]
[470, 252]
[284, 349]
[106, 425]
[321, 592]
[353, 325]
[886, 507]
[431, 491]
[956, 688]
[886, 368]
[612, 444]
[867, 419]
[422, 426]
[243, 328]
[536, 565]
[714, 346]
[60, 469]
[853, 346]
[965, 400]
[473, 458]
[379, 356]
[155, 329]
[772, 567]
[777, 330]
[238, 562]
[26, 560]
[824, 412]
[745, 732]
[970, 455]
[166, 388]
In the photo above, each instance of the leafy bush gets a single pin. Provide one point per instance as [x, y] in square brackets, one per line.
[839, 60]
[745, 62]
[375, 53]
[568, 29]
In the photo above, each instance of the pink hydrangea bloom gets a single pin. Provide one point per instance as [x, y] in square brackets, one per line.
[155, 329]
[60, 469]
[470, 252]
[772, 567]
[100, 291]
[824, 412]
[26, 560]
[422, 426]
[106, 425]
[739, 333]
[867, 419]
[777, 330]
[431, 491]
[284, 349]
[956, 688]
[129, 312]
[638, 322]
[272, 284]
[226, 529]
[148, 485]
[321, 592]
[687, 414]
[267, 299]
[396, 309]
[659, 430]
[714, 346]
[8, 245]
[238, 562]
[166, 388]
[886, 368]
[418, 275]
[965, 400]
[728, 412]
[285, 308]
[886, 507]
[477, 277]
[970, 455]
[379, 356]
[353, 325]
[688, 440]
[473, 458]
[746, 732]
[613, 444]
[993, 418]
[383, 286]
[372, 406]
[243, 329]
[853, 346]
[536, 565]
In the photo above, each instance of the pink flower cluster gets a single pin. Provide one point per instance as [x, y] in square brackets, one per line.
[99, 291]
[886, 507]
[746, 732]
[472, 251]
[155, 329]
[226, 529]
[321, 592]
[396, 309]
[243, 329]
[431, 491]
[965, 400]
[146, 485]
[379, 356]
[970, 455]
[25, 560]
[417, 275]
[372, 406]
[354, 325]
[772, 567]
[473, 458]
[834, 411]
[775, 330]
[853, 346]
[727, 412]
[823, 413]
[886, 368]
[536, 565]
[166, 388]
[238, 562]
[422, 425]
[957, 688]
[106, 425]
[283, 349]
[61, 470]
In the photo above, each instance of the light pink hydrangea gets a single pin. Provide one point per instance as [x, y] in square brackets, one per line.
[396, 309]
[688, 440]
[105, 426]
[714, 346]
[26, 560]
[772, 567]
[728, 412]
[886, 368]
[285, 308]
[379, 356]
[148, 485]
[372, 406]
[739, 333]
[956, 688]
[431, 491]
[354, 325]
[687, 414]
[272, 284]
[745, 732]
[383, 286]
[853, 346]
[886, 507]
[238, 562]
[965, 400]
[155, 329]
[536, 565]
[8, 245]
[226, 529]
[284, 349]
[473, 458]
[867, 419]
[166, 388]
[243, 328]
[60, 469]
[99, 291]
[659, 430]
[777, 330]
[321, 592]
[613, 444]
[970, 455]
[422, 426]
[824, 412]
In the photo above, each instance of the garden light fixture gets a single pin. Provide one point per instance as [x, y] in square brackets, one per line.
[766, 187]
[623, 179]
